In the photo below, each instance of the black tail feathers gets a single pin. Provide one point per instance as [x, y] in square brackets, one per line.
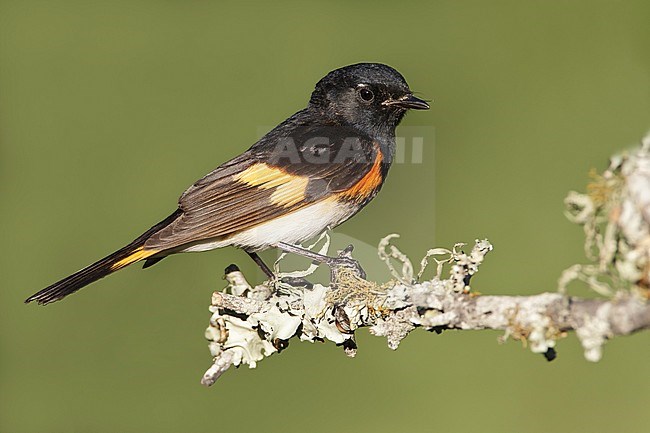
[109, 264]
[87, 275]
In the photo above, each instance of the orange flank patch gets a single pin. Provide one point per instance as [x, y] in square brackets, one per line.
[289, 189]
[368, 183]
[136, 255]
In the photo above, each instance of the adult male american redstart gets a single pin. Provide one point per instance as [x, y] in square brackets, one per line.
[310, 173]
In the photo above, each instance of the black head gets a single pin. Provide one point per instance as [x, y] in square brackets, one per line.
[369, 95]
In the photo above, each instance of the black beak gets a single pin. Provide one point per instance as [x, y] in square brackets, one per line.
[408, 102]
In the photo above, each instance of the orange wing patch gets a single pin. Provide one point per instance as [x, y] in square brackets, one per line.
[368, 183]
[289, 189]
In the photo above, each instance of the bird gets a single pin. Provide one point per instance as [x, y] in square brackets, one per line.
[312, 172]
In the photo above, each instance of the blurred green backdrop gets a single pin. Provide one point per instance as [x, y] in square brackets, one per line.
[108, 110]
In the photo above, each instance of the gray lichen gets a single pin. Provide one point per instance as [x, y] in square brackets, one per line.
[251, 323]
[615, 215]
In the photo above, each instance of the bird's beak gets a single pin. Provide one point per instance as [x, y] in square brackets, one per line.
[408, 102]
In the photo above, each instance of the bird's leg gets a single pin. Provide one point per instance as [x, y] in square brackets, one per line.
[343, 260]
[258, 260]
[293, 281]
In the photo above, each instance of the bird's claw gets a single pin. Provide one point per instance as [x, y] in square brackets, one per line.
[344, 261]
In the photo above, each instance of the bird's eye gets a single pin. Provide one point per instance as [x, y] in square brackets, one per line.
[366, 94]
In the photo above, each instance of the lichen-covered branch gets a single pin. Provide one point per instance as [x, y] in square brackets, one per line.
[615, 215]
[250, 323]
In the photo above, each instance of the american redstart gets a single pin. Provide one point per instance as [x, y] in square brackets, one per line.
[311, 172]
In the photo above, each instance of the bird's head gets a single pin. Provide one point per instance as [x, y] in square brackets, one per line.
[371, 96]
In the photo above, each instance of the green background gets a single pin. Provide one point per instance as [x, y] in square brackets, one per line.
[108, 110]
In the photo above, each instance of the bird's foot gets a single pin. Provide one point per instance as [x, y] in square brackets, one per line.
[344, 263]
[341, 263]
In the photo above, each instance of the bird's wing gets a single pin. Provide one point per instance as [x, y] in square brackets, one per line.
[270, 181]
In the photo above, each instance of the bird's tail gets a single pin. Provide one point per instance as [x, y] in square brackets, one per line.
[121, 258]
[100, 269]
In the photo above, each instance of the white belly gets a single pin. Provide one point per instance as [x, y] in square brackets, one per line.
[293, 228]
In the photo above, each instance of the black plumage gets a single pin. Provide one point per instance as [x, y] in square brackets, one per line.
[314, 170]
